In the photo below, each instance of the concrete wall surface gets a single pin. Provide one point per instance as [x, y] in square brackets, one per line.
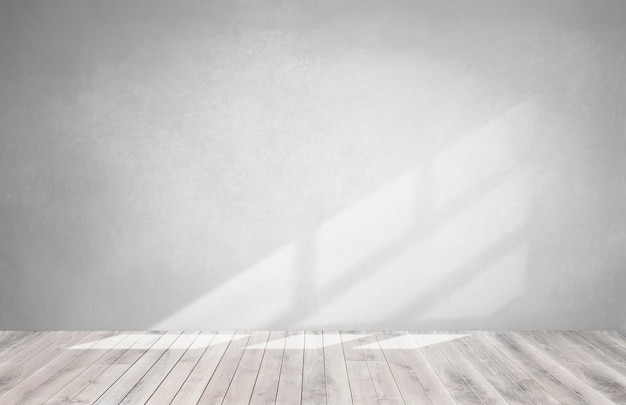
[447, 165]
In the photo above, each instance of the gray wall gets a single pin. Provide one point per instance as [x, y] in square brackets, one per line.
[312, 164]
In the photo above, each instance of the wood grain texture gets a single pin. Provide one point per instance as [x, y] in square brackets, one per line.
[83, 376]
[169, 387]
[337, 384]
[48, 379]
[45, 354]
[384, 382]
[511, 382]
[313, 374]
[266, 386]
[242, 384]
[262, 367]
[618, 337]
[219, 383]
[408, 382]
[10, 339]
[437, 392]
[559, 370]
[146, 386]
[579, 363]
[605, 350]
[454, 380]
[537, 370]
[290, 381]
[201, 374]
[131, 377]
[22, 350]
[477, 381]
[361, 383]
[112, 373]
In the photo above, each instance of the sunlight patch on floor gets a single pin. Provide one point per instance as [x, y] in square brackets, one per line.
[292, 342]
[124, 341]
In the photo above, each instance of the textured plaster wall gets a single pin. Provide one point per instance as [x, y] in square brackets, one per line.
[312, 164]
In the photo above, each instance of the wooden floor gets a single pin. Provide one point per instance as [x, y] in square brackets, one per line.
[312, 367]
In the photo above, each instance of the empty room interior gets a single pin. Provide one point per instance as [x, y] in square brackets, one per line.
[312, 202]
